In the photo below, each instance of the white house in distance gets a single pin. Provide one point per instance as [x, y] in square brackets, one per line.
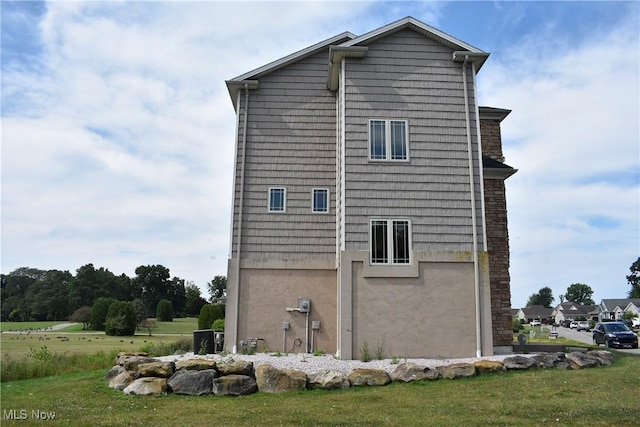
[369, 202]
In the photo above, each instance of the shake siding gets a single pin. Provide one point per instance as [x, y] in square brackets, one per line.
[407, 76]
[290, 143]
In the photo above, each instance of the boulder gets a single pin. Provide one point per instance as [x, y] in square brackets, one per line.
[147, 386]
[457, 370]
[371, 377]
[580, 360]
[123, 356]
[552, 360]
[113, 372]
[131, 364]
[237, 367]
[519, 362]
[606, 358]
[406, 372]
[193, 383]
[195, 364]
[122, 380]
[234, 385]
[328, 379]
[156, 369]
[273, 380]
[489, 366]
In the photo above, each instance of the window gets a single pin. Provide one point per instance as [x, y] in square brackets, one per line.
[390, 241]
[388, 140]
[320, 200]
[277, 199]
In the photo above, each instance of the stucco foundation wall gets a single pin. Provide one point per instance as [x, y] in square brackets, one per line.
[266, 293]
[432, 315]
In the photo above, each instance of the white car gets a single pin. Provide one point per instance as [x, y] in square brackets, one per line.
[574, 325]
[535, 323]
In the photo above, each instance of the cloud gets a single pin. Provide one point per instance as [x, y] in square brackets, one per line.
[573, 134]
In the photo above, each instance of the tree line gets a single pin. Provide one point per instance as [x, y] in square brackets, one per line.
[31, 294]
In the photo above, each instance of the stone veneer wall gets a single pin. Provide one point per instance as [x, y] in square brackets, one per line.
[497, 238]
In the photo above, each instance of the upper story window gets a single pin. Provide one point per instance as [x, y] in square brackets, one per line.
[320, 200]
[390, 241]
[277, 199]
[388, 140]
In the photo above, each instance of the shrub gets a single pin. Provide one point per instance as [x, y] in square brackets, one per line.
[99, 313]
[517, 326]
[210, 313]
[157, 349]
[121, 319]
[82, 315]
[218, 325]
[164, 311]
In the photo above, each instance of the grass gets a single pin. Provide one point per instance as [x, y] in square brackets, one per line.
[534, 397]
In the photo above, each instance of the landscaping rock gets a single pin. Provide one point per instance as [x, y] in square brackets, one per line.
[122, 380]
[239, 367]
[234, 385]
[328, 379]
[489, 366]
[195, 364]
[272, 380]
[131, 363]
[370, 377]
[147, 386]
[552, 360]
[156, 369]
[457, 370]
[519, 362]
[123, 356]
[606, 358]
[193, 383]
[580, 360]
[113, 372]
[406, 372]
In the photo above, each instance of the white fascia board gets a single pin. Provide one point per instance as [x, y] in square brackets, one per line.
[336, 55]
[235, 86]
[477, 58]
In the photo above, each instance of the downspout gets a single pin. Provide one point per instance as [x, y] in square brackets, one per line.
[240, 204]
[474, 220]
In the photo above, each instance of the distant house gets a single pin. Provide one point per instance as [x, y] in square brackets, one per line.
[369, 202]
[572, 311]
[535, 312]
[613, 309]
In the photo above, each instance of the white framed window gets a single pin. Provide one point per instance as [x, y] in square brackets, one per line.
[390, 241]
[320, 200]
[277, 199]
[388, 140]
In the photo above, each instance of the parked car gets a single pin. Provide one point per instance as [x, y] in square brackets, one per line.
[573, 325]
[566, 323]
[583, 326]
[535, 323]
[614, 334]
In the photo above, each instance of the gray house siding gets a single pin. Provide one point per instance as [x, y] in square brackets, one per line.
[291, 144]
[407, 76]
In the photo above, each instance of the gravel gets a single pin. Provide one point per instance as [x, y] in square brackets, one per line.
[310, 364]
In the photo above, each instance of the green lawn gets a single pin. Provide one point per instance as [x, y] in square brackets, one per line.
[590, 397]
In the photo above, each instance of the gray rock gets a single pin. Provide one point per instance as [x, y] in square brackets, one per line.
[131, 363]
[409, 371]
[606, 358]
[122, 380]
[193, 383]
[123, 356]
[457, 370]
[328, 379]
[238, 367]
[234, 385]
[147, 386]
[552, 360]
[370, 377]
[113, 372]
[580, 360]
[519, 362]
[273, 380]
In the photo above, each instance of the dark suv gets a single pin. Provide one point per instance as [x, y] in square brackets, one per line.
[614, 334]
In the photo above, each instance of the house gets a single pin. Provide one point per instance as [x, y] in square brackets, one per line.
[536, 312]
[571, 311]
[369, 205]
[613, 309]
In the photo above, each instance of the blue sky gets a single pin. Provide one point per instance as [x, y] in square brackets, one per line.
[118, 130]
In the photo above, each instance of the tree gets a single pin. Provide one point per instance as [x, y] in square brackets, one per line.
[164, 311]
[154, 283]
[634, 279]
[48, 298]
[82, 315]
[99, 312]
[544, 297]
[210, 313]
[217, 288]
[149, 325]
[121, 319]
[193, 299]
[580, 294]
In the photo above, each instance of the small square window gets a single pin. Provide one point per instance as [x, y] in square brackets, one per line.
[277, 199]
[320, 197]
[388, 140]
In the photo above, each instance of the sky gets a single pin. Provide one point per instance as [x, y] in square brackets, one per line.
[118, 131]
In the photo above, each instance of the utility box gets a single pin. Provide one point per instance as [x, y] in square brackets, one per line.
[315, 324]
[203, 341]
[304, 305]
